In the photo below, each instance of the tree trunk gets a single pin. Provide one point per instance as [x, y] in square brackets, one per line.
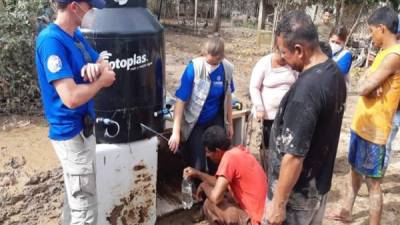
[278, 12]
[195, 14]
[261, 16]
[177, 10]
[217, 16]
[337, 9]
[185, 17]
[356, 23]
[341, 12]
[315, 13]
[274, 23]
[273, 27]
[211, 9]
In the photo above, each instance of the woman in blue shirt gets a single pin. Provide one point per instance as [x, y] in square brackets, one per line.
[341, 55]
[203, 100]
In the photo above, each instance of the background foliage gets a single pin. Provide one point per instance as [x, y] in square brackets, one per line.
[19, 91]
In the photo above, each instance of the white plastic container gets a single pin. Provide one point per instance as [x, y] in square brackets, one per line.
[126, 182]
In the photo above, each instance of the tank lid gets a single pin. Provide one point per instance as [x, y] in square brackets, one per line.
[126, 3]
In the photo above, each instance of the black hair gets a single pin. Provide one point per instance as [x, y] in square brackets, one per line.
[339, 31]
[215, 137]
[385, 16]
[329, 10]
[296, 27]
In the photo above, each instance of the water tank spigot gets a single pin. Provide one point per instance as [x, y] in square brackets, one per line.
[109, 122]
[166, 113]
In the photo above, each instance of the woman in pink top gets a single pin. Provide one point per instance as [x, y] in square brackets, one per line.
[270, 80]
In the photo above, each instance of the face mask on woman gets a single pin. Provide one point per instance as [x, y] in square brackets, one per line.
[335, 48]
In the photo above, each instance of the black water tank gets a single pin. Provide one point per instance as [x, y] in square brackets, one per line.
[133, 41]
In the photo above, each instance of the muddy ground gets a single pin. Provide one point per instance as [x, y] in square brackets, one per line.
[31, 187]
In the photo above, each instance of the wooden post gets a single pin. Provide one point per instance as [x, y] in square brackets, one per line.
[336, 5]
[211, 9]
[195, 14]
[340, 14]
[217, 16]
[159, 10]
[277, 13]
[274, 25]
[315, 13]
[177, 10]
[261, 16]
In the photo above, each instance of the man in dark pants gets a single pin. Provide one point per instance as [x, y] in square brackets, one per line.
[306, 129]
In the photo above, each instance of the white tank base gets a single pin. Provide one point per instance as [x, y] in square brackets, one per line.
[126, 182]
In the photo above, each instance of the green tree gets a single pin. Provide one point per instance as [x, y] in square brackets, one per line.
[18, 81]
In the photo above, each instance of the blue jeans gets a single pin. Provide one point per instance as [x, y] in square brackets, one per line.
[393, 133]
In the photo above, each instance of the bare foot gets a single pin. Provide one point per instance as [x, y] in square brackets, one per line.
[342, 216]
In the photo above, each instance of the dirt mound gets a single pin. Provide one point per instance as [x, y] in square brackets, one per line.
[29, 199]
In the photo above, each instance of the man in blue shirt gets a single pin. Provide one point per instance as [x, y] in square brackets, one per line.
[70, 73]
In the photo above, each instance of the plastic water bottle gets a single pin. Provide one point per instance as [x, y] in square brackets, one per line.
[187, 193]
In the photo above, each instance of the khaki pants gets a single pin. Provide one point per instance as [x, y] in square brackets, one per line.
[77, 157]
[226, 212]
